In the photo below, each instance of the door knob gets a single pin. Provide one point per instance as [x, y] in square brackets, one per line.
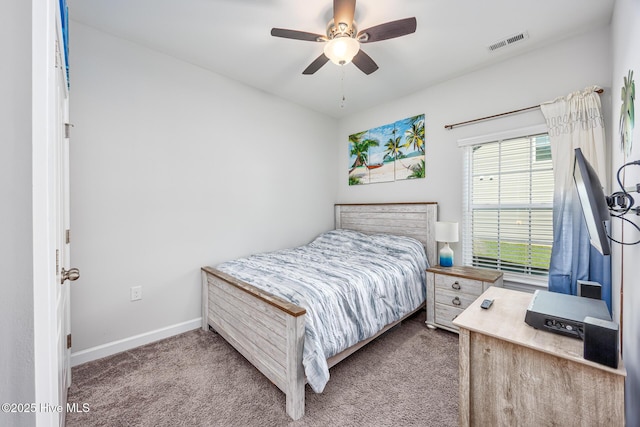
[70, 274]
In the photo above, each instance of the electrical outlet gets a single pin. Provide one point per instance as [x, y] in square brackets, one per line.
[136, 293]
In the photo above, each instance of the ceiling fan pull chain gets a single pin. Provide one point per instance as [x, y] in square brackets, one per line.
[342, 86]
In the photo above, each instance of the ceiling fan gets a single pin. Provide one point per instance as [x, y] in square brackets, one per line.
[342, 41]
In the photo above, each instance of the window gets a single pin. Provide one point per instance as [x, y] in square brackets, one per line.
[508, 201]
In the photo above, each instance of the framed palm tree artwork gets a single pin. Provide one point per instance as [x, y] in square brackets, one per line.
[391, 152]
[627, 118]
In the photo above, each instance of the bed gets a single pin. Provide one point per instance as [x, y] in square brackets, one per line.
[269, 330]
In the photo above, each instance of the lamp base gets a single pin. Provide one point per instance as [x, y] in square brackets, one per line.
[446, 256]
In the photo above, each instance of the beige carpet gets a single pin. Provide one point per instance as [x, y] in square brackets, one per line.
[407, 377]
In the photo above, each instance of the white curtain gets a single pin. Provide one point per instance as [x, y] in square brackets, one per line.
[575, 121]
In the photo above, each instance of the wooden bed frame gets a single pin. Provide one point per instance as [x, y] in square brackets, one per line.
[269, 331]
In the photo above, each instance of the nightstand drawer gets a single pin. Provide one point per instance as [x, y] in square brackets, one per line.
[454, 298]
[458, 284]
[445, 315]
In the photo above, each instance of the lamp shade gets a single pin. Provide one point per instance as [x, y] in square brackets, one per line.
[341, 50]
[446, 231]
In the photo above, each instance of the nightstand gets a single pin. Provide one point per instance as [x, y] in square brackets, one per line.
[452, 289]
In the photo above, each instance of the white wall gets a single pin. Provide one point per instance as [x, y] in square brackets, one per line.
[16, 303]
[625, 270]
[172, 168]
[524, 81]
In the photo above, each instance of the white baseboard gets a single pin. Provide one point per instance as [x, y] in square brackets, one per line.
[108, 349]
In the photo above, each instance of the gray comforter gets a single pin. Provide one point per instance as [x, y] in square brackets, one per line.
[351, 285]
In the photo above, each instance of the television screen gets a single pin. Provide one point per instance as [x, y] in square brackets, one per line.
[593, 202]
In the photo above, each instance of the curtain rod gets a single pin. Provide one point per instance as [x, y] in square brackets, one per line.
[500, 115]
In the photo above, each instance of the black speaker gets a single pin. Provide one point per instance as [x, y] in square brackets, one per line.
[601, 341]
[589, 289]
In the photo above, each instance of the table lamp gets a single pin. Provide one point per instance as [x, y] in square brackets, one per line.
[446, 232]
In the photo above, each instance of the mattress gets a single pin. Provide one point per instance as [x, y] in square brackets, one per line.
[351, 285]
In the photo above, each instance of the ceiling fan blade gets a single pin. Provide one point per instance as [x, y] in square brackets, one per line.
[316, 64]
[297, 35]
[344, 11]
[388, 30]
[364, 62]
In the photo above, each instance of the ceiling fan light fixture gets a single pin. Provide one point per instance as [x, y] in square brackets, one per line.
[341, 50]
[342, 40]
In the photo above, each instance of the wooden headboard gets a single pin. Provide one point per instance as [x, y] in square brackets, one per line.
[417, 220]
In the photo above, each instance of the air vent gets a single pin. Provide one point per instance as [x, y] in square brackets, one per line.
[507, 41]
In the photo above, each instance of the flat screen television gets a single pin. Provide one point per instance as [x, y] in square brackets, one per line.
[593, 201]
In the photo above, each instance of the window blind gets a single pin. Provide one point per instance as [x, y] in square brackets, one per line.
[508, 202]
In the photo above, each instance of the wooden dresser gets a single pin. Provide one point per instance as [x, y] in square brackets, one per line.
[451, 289]
[514, 375]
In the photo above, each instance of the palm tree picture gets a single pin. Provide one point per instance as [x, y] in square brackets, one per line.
[391, 152]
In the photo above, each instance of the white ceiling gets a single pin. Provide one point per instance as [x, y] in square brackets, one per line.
[232, 38]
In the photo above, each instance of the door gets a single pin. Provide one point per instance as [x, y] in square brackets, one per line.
[64, 273]
[50, 212]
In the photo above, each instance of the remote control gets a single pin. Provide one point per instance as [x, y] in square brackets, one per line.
[486, 303]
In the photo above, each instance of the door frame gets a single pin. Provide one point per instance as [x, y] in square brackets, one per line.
[43, 70]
